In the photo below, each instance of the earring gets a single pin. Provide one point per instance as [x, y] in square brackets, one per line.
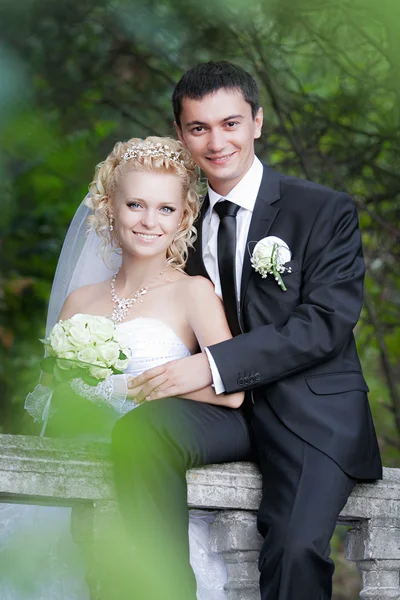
[111, 227]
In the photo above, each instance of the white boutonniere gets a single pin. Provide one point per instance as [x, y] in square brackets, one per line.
[269, 258]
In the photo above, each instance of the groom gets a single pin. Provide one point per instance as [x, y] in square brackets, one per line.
[293, 353]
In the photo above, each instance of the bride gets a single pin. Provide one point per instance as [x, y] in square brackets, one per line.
[141, 209]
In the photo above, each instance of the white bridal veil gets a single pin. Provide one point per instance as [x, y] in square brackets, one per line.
[81, 262]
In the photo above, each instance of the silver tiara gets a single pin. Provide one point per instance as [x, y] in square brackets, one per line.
[151, 149]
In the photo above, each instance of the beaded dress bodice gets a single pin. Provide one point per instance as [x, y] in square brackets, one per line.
[151, 342]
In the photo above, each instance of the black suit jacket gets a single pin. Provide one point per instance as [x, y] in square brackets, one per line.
[297, 350]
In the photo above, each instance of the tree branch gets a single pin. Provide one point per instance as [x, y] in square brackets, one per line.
[385, 359]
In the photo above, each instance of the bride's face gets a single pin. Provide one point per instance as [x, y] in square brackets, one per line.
[147, 210]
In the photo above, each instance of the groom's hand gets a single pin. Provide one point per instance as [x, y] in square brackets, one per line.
[175, 378]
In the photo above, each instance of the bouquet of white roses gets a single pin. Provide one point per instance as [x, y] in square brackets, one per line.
[84, 346]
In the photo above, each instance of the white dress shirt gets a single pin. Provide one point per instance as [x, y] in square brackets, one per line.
[244, 194]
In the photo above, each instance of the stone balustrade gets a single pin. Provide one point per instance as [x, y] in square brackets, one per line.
[58, 472]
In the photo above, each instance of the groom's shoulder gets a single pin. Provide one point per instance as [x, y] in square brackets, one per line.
[308, 191]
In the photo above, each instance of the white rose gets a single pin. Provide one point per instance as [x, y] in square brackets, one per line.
[109, 353]
[59, 340]
[87, 355]
[66, 325]
[69, 355]
[101, 329]
[79, 334]
[126, 351]
[67, 363]
[122, 364]
[57, 329]
[269, 257]
[99, 372]
[49, 350]
[263, 250]
[78, 318]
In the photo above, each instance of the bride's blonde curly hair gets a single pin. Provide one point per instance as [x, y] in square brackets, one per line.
[107, 178]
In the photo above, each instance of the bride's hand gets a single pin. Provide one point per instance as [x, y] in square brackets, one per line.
[175, 378]
[132, 392]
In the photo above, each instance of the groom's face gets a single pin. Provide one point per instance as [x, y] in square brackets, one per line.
[219, 132]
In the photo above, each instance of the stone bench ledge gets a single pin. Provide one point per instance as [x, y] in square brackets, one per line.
[55, 471]
[52, 471]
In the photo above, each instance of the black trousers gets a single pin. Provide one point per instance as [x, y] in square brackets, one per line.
[303, 493]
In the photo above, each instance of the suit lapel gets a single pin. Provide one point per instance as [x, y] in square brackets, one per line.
[195, 264]
[263, 217]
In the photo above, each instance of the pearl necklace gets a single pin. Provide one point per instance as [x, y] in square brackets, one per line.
[122, 305]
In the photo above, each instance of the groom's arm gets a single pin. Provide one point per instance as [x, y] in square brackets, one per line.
[190, 377]
[317, 330]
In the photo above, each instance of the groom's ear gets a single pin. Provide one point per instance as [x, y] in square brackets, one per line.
[179, 133]
[258, 123]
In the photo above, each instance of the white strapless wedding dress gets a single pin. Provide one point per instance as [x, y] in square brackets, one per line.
[38, 558]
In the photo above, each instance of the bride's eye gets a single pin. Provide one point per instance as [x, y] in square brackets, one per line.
[134, 205]
[167, 209]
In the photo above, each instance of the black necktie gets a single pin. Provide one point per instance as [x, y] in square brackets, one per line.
[227, 212]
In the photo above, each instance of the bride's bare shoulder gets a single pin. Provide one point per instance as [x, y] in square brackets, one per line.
[196, 284]
[197, 295]
[80, 300]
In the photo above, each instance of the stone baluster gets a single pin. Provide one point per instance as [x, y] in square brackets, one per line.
[95, 528]
[374, 544]
[234, 536]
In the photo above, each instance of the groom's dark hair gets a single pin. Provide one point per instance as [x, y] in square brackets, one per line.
[210, 77]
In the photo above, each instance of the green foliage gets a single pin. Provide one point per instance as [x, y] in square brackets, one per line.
[76, 77]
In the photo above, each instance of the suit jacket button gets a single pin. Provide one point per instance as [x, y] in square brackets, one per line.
[252, 379]
[246, 380]
[240, 381]
[257, 376]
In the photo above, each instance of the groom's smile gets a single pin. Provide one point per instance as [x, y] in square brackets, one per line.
[220, 160]
[219, 131]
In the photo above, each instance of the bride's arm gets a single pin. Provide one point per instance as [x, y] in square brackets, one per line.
[206, 316]
[209, 396]
[112, 391]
